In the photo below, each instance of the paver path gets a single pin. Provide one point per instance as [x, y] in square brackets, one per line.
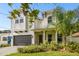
[8, 50]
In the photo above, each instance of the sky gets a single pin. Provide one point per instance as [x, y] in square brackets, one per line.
[5, 23]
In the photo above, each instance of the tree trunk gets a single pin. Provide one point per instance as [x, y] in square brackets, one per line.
[56, 37]
[64, 40]
[70, 36]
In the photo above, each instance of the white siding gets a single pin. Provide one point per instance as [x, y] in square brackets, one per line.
[20, 26]
[74, 39]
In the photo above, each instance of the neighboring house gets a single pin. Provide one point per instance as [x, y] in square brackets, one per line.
[25, 33]
[75, 37]
[4, 34]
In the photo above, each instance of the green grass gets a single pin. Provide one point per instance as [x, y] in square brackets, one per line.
[49, 53]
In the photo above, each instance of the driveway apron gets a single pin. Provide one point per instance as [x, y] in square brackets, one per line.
[8, 50]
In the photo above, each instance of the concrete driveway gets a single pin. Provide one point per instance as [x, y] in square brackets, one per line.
[8, 50]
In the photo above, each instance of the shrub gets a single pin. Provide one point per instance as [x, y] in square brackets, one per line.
[77, 49]
[34, 48]
[20, 50]
[73, 47]
[29, 49]
[61, 46]
[44, 47]
[4, 45]
[53, 45]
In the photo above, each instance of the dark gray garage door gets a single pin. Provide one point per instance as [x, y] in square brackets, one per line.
[22, 40]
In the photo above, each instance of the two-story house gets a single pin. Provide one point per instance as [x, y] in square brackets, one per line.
[40, 31]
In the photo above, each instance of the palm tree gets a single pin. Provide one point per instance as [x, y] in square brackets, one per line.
[26, 10]
[58, 14]
[14, 13]
[67, 25]
[64, 22]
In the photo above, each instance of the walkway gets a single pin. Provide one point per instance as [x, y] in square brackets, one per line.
[8, 50]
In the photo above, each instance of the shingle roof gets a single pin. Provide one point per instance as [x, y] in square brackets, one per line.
[76, 34]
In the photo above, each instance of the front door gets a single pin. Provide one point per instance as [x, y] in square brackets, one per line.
[59, 38]
[40, 39]
[49, 38]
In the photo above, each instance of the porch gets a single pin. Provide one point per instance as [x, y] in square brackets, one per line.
[42, 35]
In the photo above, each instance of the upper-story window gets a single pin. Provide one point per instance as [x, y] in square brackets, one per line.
[16, 21]
[4, 38]
[21, 20]
[50, 19]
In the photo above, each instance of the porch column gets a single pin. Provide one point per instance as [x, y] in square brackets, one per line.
[12, 41]
[33, 38]
[56, 37]
[43, 36]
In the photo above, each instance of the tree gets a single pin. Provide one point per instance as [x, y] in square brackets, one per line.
[64, 22]
[28, 12]
[13, 14]
[58, 14]
[67, 25]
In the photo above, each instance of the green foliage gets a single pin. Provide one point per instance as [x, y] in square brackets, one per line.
[12, 15]
[25, 6]
[10, 4]
[15, 11]
[4, 45]
[38, 48]
[49, 53]
[43, 47]
[20, 50]
[29, 49]
[73, 47]
[27, 10]
[34, 48]
[61, 46]
[35, 13]
[53, 45]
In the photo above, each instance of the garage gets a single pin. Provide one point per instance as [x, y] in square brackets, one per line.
[21, 40]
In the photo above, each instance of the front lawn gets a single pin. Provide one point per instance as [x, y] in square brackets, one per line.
[49, 53]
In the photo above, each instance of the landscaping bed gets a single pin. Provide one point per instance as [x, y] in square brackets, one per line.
[49, 53]
[46, 49]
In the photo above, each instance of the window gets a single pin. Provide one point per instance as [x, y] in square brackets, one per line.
[49, 38]
[40, 39]
[4, 38]
[16, 21]
[50, 19]
[21, 20]
[59, 38]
